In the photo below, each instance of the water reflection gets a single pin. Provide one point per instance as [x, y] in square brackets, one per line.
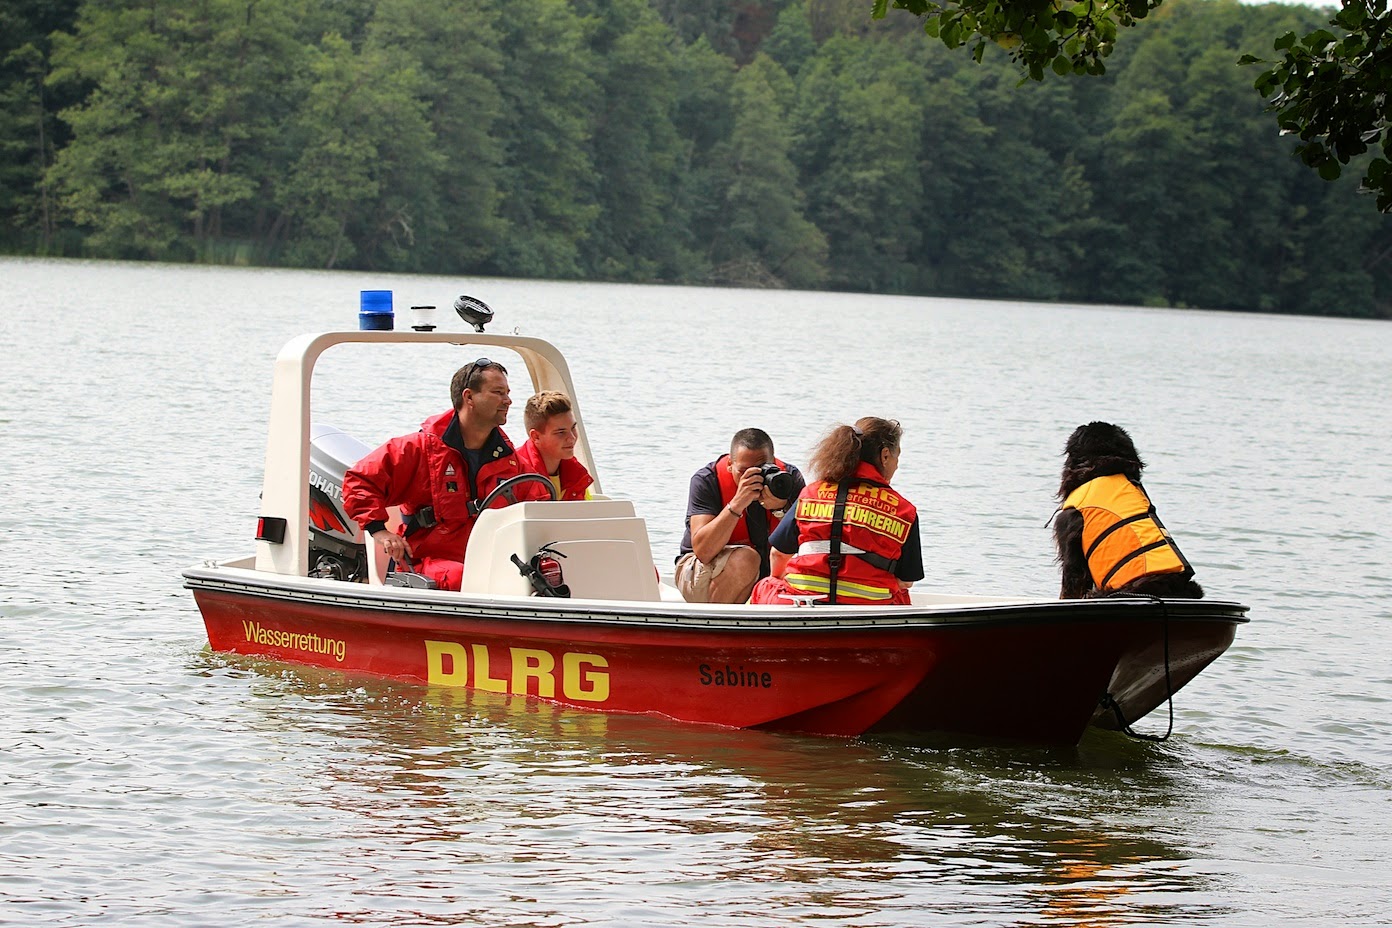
[875, 832]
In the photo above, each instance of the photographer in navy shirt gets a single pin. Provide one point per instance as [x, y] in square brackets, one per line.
[734, 504]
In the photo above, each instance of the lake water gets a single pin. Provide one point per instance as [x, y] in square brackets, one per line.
[145, 781]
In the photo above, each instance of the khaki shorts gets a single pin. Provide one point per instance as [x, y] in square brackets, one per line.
[693, 578]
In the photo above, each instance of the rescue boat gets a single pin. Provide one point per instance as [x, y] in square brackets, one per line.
[624, 640]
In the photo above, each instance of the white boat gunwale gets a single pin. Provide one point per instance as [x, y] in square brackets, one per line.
[989, 612]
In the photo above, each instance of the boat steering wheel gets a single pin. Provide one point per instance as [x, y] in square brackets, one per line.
[505, 489]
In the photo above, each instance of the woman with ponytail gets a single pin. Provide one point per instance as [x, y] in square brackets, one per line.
[853, 539]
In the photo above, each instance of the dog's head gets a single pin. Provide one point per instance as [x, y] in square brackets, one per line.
[1098, 449]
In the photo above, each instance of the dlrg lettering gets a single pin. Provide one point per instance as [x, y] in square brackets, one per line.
[449, 663]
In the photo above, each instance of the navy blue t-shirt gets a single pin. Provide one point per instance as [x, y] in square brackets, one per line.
[703, 499]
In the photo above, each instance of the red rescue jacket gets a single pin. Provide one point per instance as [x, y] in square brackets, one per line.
[575, 479]
[427, 469]
[739, 535]
[877, 520]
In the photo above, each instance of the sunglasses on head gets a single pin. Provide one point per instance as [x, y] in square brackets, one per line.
[481, 364]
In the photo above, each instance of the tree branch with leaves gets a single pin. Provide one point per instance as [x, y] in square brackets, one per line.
[1335, 93]
[1057, 35]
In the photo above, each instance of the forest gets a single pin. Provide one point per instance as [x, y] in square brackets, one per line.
[759, 143]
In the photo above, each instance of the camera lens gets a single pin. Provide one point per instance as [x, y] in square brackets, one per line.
[779, 482]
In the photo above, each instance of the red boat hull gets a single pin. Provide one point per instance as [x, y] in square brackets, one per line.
[1031, 672]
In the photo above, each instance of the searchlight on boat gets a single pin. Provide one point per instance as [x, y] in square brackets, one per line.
[473, 311]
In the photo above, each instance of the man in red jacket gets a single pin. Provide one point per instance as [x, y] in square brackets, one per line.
[438, 476]
[550, 447]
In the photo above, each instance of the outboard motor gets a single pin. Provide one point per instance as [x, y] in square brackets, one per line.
[334, 551]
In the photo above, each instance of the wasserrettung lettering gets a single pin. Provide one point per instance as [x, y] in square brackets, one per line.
[298, 641]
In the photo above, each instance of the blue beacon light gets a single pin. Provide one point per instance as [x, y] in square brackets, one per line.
[375, 311]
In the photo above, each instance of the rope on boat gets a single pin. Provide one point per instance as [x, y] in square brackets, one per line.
[1109, 702]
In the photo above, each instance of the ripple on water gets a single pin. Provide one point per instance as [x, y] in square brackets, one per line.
[149, 782]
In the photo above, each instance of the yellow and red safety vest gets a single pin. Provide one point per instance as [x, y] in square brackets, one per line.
[875, 524]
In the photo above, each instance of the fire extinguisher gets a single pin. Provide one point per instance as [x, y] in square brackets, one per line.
[543, 571]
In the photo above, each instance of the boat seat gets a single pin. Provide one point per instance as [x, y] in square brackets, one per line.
[606, 548]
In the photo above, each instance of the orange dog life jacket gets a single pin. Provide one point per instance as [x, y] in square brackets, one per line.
[1123, 538]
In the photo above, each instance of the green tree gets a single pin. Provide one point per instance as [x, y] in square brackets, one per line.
[791, 43]
[859, 146]
[704, 120]
[1005, 199]
[547, 180]
[1201, 205]
[642, 230]
[735, 28]
[366, 161]
[1145, 156]
[173, 133]
[453, 45]
[30, 133]
[760, 235]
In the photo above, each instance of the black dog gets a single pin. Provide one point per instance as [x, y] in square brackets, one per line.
[1110, 541]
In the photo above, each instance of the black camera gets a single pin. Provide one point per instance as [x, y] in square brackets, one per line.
[779, 482]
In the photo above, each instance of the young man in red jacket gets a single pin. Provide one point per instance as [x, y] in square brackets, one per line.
[550, 446]
[439, 475]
